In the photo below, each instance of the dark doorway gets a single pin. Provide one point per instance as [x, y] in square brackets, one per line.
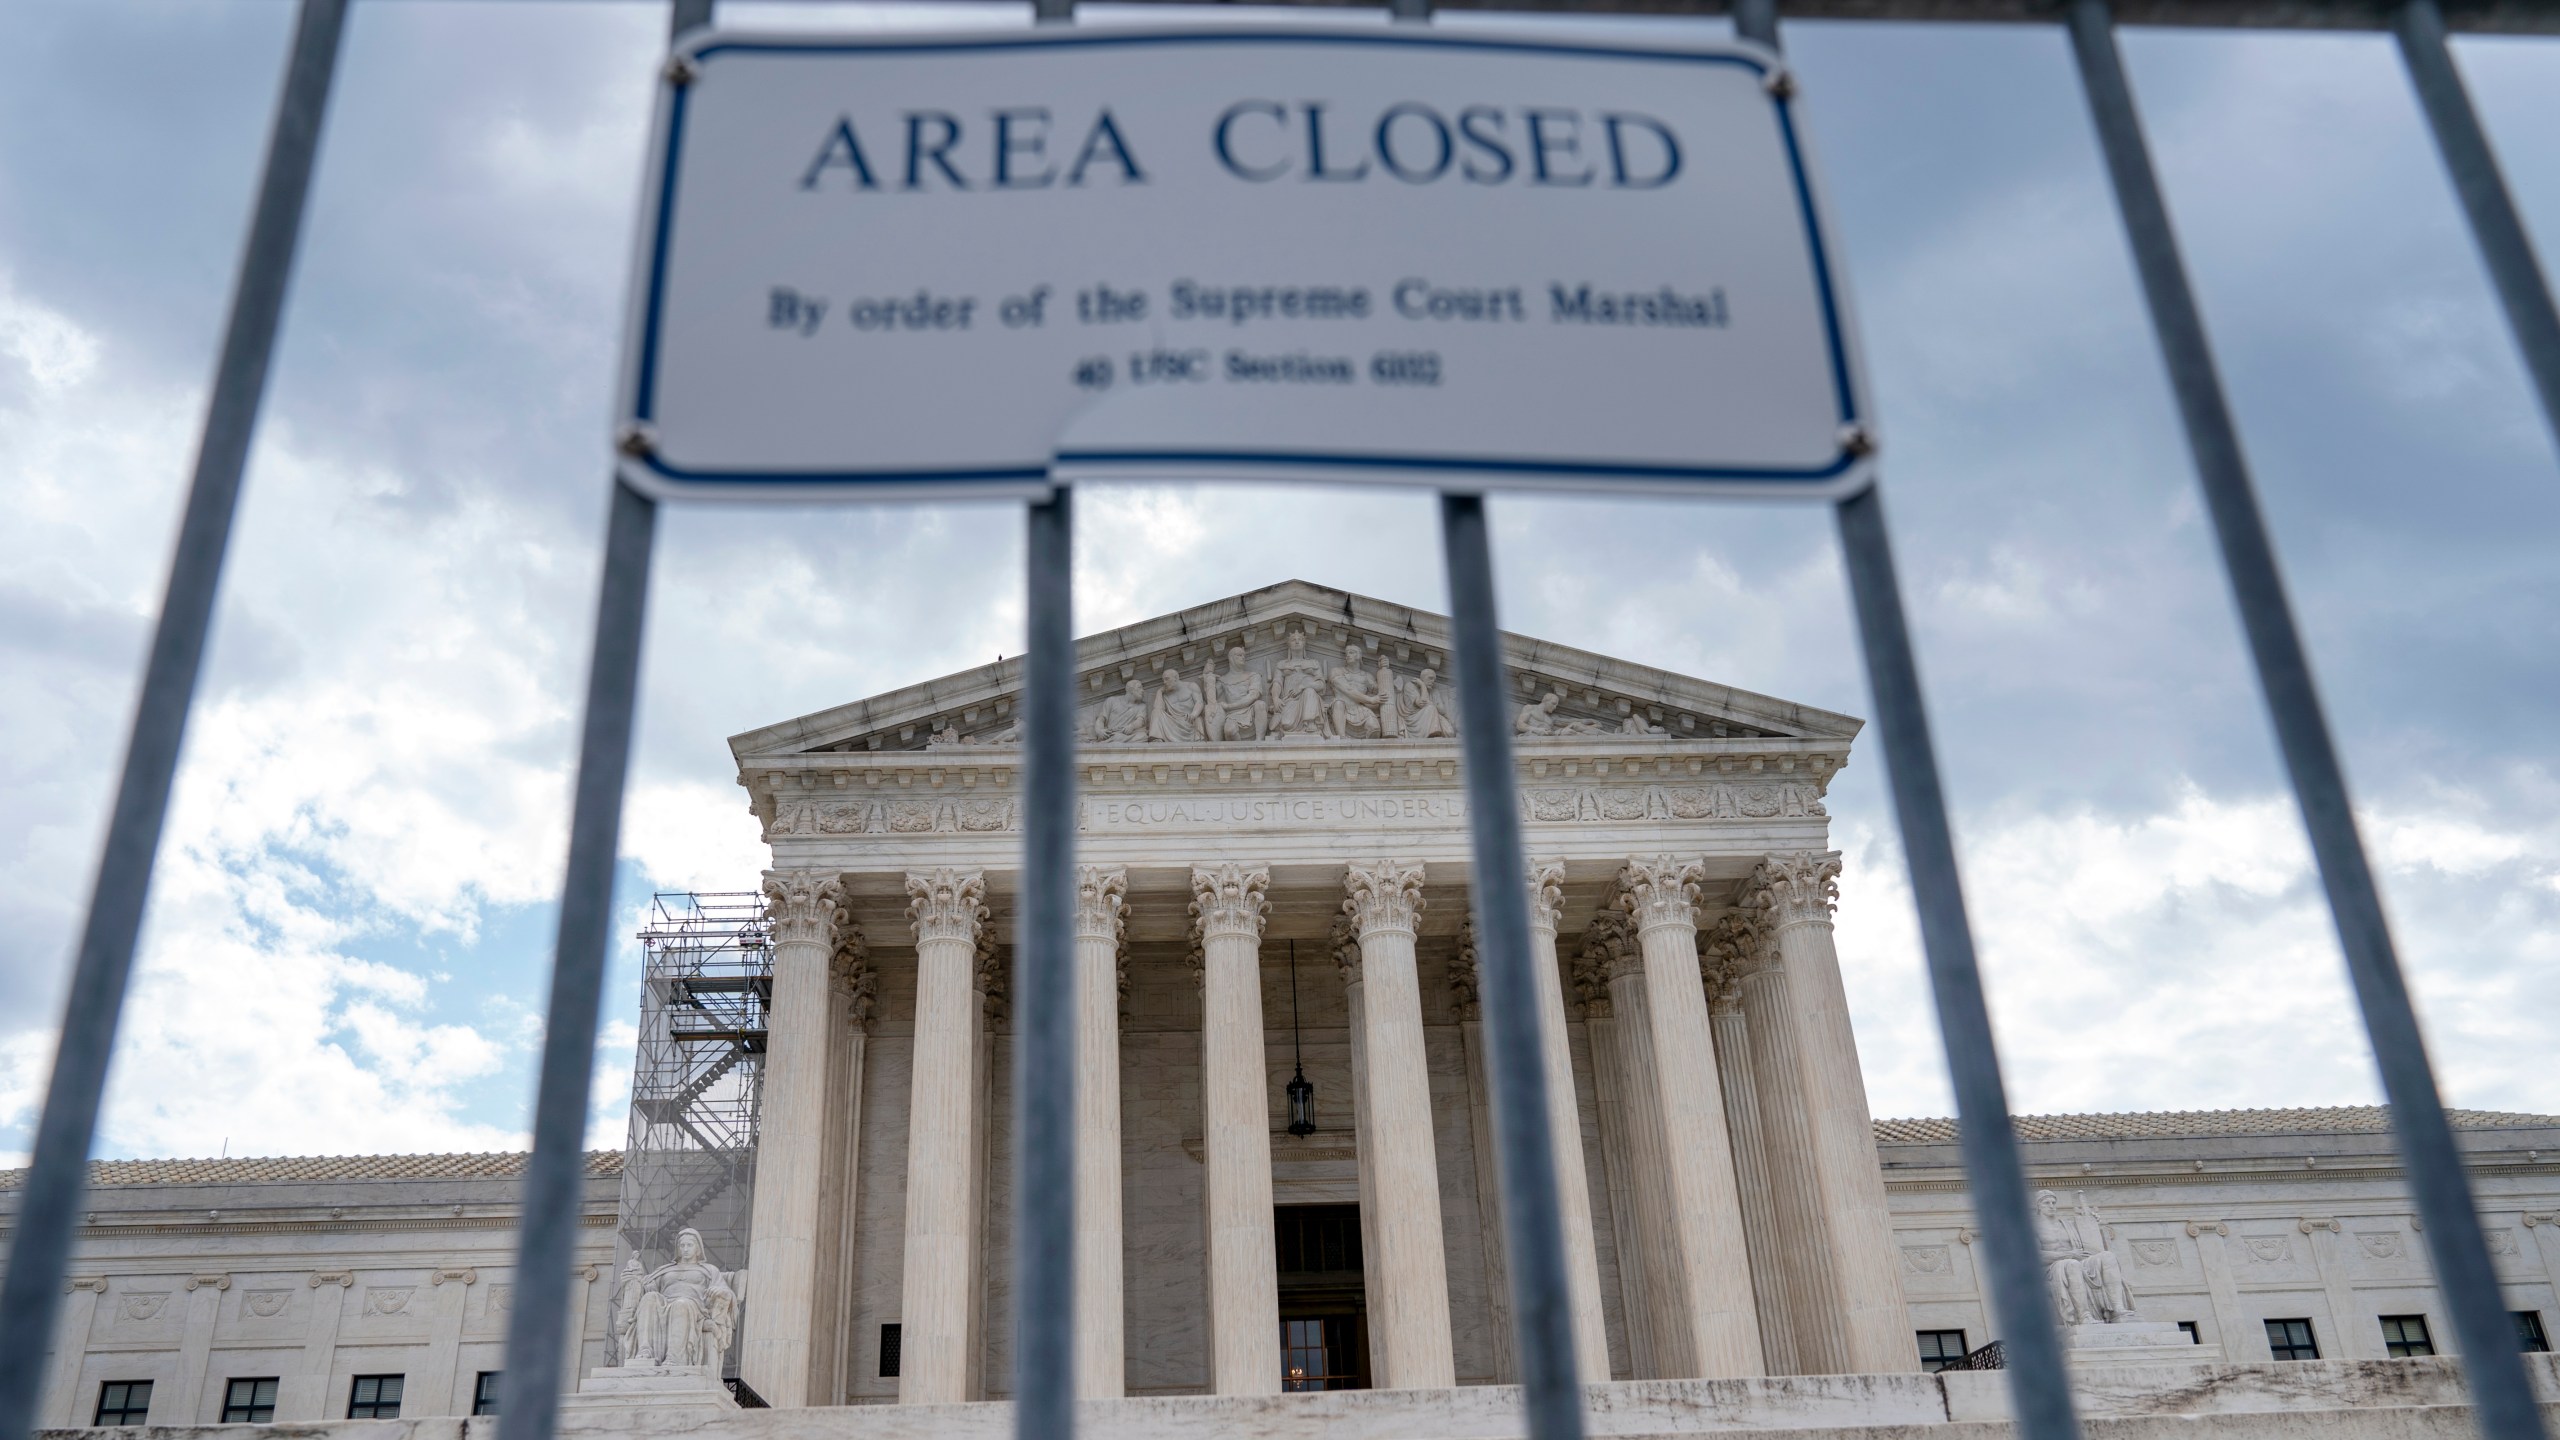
[1324, 1308]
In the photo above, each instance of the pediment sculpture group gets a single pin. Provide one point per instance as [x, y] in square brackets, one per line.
[1303, 699]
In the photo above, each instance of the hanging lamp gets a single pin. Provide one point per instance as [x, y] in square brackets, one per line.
[1302, 1096]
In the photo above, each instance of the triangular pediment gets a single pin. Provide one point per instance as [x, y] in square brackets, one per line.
[1298, 682]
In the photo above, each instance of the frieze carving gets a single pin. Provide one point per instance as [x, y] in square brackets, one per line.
[1383, 895]
[144, 1304]
[798, 814]
[2155, 1252]
[1927, 1259]
[1229, 900]
[946, 904]
[1660, 890]
[388, 1299]
[2380, 1244]
[2268, 1249]
[1298, 699]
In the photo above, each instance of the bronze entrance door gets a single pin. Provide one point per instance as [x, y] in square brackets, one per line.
[1324, 1309]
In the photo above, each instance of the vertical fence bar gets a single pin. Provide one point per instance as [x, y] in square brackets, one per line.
[1044, 1077]
[2021, 1308]
[2039, 1386]
[1524, 1147]
[2504, 246]
[554, 1194]
[58, 1172]
[2486, 1332]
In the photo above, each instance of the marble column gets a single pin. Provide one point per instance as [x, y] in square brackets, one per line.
[1608, 1093]
[1723, 953]
[852, 988]
[1801, 889]
[1228, 904]
[70, 1348]
[1712, 1277]
[1408, 1279]
[1804, 1250]
[1101, 1344]
[2359, 1332]
[2241, 1339]
[1564, 1125]
[1658, 1334]
[1345, 940]
[791, 1141]
[1464, 994]
[946, 908]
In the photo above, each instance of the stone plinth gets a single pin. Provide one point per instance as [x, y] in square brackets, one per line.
[616, 1390]
[2127, 1342]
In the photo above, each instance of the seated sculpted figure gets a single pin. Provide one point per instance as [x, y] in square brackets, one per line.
[1122, 718]
[1364, 706]
[1238, 708]
[2088, 1288]
[682, 1313]
[1178, 716]
[1297, 690]
[1425, 713]
[1539, 718]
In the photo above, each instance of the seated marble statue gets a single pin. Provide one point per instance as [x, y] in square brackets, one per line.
[1179, 714]
[682, 1313]
[1238, 708]
[1539, 718]
[1364, 706]
[1426, 715]
[1122, 719]
[1297, 691]
[2088, 1287]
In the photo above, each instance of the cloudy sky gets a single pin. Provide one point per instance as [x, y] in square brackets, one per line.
[350, 927]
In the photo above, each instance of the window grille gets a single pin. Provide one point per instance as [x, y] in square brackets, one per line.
[375, 1397]
[537, 1344]
[484, 1392]
[891, 1342]
[2292, 1340]
[2404, 1336]
[249, 1402]
[124, 1402]
[1940, 1349]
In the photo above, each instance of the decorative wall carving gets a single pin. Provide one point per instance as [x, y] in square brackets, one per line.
[2380, 1244]
[1345, 940]
[1590, 804]
[849, 972]
[946, 904]
[1927, 1259]
[1463, 980]
[2268, 1249]
[143, 1304]
[1383, 894]
[1660, 890]
[2155, 1252]
[1797, 888]
[388, 1299]
[1229, 900]
[265, 1304]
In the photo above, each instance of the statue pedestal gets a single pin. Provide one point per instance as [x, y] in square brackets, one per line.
[2128, 1342]
[651, 1387]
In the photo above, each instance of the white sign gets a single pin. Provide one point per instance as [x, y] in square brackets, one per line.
[972, 263]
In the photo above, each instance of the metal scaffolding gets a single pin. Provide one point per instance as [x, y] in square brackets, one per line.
[697, 1077]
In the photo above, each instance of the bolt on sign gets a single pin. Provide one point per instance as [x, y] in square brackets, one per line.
[1466, 257]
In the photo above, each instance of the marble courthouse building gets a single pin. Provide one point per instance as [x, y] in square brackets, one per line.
[1273, 890]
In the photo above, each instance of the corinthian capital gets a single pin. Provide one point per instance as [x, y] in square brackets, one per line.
[1728, 949]
[1345, 940]
[1383, 895]
[1464, 984]
[1102, 902]
[1797, 887]
[1607, 951]
[1660, 890]
[1229, 900]
[947, 904]
[800, 905]
[849, 972]
[1546, 894]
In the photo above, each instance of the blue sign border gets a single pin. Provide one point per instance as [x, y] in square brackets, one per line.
[1503, 471]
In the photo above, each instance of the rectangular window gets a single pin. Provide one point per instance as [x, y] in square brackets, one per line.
[1940, 1348]
[2195, 1335]
[2404, 1336]
[2291, 1340]
[484, 1393]
[124, 1402]
[249, 1402]
[889, 1337]
[1315, 1354]
[375, 1397]
[2529, 1333]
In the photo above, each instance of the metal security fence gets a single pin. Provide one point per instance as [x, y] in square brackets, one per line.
[2030, 1347]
